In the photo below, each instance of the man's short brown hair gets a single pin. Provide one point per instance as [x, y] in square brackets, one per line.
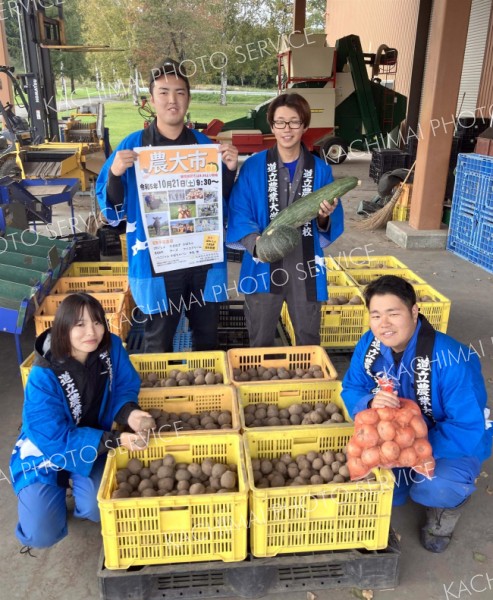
[294, 101]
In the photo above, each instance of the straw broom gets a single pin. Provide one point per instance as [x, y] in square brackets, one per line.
[379, 219]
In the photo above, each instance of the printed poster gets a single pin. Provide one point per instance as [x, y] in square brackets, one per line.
[180, 196]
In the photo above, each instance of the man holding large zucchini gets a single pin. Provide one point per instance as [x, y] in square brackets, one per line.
[284, 261]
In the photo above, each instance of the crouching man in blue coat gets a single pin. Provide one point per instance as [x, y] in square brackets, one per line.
[444, 378]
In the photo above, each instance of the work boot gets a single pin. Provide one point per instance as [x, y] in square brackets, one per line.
[439, 527]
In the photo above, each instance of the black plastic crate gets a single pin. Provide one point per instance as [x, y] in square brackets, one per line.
[232, 331]
[234, 255]
[385, 160]
[255, 577]
[109, 240]
[86, 247]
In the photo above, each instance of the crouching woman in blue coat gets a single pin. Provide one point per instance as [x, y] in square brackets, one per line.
[81, 382]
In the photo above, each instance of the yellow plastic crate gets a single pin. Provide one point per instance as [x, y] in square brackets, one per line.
[123, 242]
[438, 311]
[403, 205]
[195, 399]
[339, 279]
[162, 364]
[401, 213]
[98, 284]
[113, 304]
[302, 357]
[370, 262]
[97, 269]
[110, 283]
[175, 529]
[311, 518]
[363, 276]
[331, 264]
[283, 395]
[341, 326]
[26, 367]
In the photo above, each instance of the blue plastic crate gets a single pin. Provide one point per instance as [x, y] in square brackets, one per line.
[463, 226]
[182, 342]
[473, 189]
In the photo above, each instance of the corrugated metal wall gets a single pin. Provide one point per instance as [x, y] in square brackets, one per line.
[485, 96]
[391, 22]
[473, 59]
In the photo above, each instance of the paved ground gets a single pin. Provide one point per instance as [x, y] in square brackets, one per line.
[68, 571]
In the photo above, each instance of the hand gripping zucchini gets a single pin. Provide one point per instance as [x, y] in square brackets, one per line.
[282, 236]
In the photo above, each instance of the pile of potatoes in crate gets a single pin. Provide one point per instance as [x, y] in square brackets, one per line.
[340, 300]
[186, 421]
[312, 468]
[261, 373]
[179, 378]
[270, 415]
[166, 477]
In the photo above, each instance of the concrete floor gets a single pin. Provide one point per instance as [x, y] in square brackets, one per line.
[68, 571]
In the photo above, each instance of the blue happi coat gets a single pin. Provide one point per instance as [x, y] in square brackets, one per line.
[248, 212]
[50, 440]
[458, 393]
[148, 292]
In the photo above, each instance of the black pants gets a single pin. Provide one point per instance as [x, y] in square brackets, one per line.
[184, 289]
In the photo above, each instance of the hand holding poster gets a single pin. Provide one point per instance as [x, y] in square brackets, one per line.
[180, 197]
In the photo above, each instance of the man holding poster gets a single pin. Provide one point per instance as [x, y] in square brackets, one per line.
[169, 271]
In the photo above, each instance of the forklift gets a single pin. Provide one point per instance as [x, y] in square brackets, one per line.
[38, 147]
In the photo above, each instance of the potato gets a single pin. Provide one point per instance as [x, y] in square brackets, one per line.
[170, 382]
[295, 409]
[256, 464]
[344, 471]
[228, 480]
[165, 471]
[134, 481]
[215, 483]
[337, 418]
[341, 457]
[145, 473]
[225, 418]
[196, 488]
[266, 376]
[148, 492]
[243, 376]
[183, 485]
[210, 379]
[260, 413]
[169, 460]
[305, 473]
[125, 485]
[134, 465]
[315, 417]
[266, 466]
[195, 469]
[317, 464]
[335, 466]
[182, 474]
[122, 475]
[155, 465]
[327, 473]
[316, 480]
[218, 469]
[152, 377]
[166, 484]
[218, 378]
[293, 470]
[286, 459]
[338, 478]
[120, 493]
[273, 422]
[257, 476]
[277, 480]
[328, 457]
[145, 484]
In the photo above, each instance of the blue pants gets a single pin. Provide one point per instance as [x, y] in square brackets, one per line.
[452, 483]
[42, 508]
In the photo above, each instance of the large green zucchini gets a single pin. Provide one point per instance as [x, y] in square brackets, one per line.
[305, 209]
[276, 244]
[282, 235]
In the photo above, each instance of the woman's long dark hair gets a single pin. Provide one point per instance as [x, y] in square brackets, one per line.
[68, 315]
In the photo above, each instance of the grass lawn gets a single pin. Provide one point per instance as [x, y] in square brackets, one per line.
[122, 117]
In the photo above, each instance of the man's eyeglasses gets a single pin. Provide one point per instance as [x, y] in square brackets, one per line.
[291, 124]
